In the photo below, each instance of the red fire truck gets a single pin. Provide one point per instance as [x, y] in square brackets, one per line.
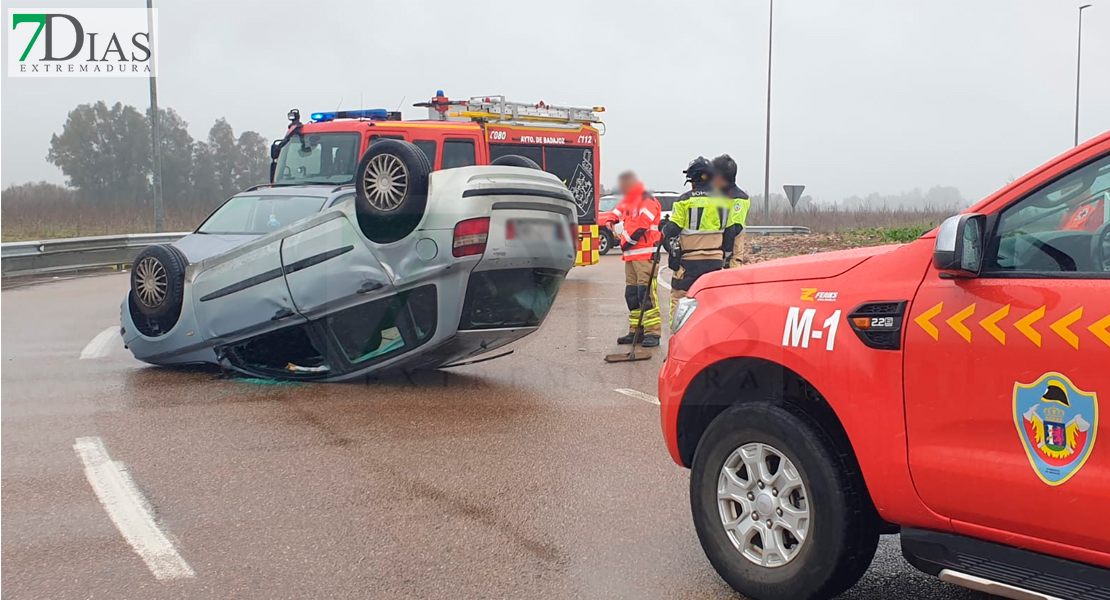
[562, 140]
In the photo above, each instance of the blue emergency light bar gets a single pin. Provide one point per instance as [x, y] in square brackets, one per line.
[366, 113]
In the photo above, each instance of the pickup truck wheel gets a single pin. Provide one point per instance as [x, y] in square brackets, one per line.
[780, 512]
[605, 244]
[392, 190]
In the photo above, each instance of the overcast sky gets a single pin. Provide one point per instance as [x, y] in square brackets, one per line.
[878, 95]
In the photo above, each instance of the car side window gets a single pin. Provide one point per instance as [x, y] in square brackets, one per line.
[429, 149]
[1058, 228]
[458, 153]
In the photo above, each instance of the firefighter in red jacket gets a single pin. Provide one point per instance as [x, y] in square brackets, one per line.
[639, 213]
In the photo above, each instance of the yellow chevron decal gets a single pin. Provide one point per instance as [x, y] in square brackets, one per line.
[990, 324]
[956, 322]
[1025, 326]
[1101, 329]
[923, 320]
[1061, 327]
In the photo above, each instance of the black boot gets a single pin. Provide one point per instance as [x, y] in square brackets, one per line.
[650, 341]
[625, 340]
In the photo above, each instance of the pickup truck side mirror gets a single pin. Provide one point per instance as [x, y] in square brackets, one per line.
[959, 247]
[1101, 248]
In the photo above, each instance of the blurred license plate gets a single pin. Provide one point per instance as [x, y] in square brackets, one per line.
[531, 231]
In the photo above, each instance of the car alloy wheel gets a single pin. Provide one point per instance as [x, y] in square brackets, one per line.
[763, 504]
[386, 182]
[151, 282]
[603, 244]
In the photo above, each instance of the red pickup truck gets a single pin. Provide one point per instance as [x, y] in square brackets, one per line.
[947, 389]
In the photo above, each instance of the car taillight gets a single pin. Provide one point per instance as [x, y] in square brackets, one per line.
[470, 237]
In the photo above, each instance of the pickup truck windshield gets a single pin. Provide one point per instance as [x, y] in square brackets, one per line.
[328, 158]
[260, 214]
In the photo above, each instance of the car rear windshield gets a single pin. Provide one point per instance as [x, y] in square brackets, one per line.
[260, 214]
[318, 158]
[509, 298]
[389, 326]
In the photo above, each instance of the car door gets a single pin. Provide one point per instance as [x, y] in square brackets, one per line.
[329, 265]
[1005, 374]
[242, 292]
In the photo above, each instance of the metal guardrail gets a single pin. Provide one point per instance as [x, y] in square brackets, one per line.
[47, 256]
[776, 230]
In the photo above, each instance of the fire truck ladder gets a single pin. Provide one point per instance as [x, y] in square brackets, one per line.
[497, 108]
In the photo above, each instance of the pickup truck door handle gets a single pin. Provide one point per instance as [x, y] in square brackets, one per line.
[370, 286]
[282, 313]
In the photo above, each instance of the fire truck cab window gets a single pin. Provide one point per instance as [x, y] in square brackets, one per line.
[318, 158]
[458, 153]
[533, 152]
[429, 149]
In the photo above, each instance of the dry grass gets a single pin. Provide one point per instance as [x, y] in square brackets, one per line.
[822, 219]
[764, 248]
[40, 222]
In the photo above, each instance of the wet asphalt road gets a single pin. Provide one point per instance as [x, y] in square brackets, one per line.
[524, 477]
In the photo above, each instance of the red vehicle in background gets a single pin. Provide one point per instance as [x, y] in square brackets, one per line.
[948, 388]
[561, 140]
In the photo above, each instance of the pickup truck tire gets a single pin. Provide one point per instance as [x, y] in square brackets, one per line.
[516, 160]
[392, 190]
[841, 531]
[605, 244]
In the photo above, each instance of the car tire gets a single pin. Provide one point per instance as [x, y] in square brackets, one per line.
[158, 285]
[605, 244]
[392, 190]
[841, 528]
[515, 160]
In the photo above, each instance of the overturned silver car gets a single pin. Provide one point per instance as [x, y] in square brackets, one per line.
[403, 269]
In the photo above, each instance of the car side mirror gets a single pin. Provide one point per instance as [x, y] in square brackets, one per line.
[275, 149]
[959, 247]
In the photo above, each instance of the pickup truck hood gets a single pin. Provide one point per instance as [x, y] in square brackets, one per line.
[808, 266]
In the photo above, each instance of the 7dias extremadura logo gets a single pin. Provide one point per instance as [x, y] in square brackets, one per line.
[81, 42]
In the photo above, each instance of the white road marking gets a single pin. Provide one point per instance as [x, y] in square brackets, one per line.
[101, 345]
[638, 395]
[129, 510]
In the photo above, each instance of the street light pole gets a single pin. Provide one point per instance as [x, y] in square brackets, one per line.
[1078, 57]
[154, 127]
[767, 147]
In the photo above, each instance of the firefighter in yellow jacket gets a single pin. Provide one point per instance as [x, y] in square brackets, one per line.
[698, 221]
[639, 213]
[724, 179]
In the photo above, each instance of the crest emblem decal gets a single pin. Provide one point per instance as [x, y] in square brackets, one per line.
[1057, 423]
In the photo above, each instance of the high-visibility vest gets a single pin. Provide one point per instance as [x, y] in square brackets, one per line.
[642, 214]
[703, 216]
